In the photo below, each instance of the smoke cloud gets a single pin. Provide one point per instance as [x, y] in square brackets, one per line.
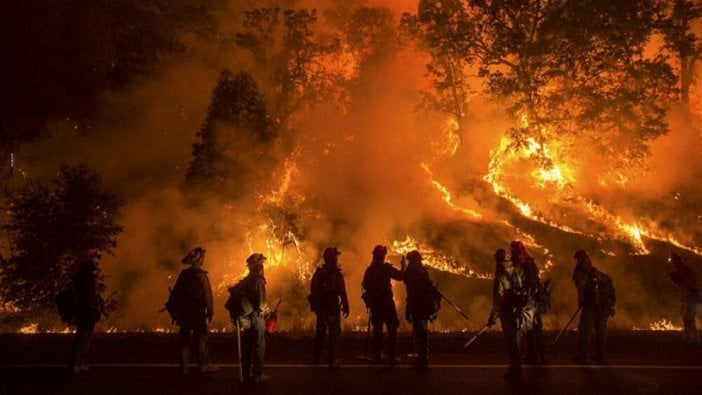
[367, 174]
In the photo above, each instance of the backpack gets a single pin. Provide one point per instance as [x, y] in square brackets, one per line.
[543, 297]
[600, 292]
[238, 304]
[66, 303]
[174, 306]
[320, 290]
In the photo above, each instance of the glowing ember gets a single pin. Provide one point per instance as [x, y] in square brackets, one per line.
[29, 329]
[661, 325]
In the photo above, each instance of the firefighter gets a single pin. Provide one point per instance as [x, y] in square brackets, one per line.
[89, 306]
[254, 336]
[685, 278]
[596, 299]
[328, 300]
[422, 304]
[513, 304]
[377, 294]
[192, 299]
[534, 336]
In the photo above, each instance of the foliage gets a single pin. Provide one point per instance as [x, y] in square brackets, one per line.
[438, 28]
[676, 21]
[289, 58]
[60, 57]
[51, 225]
[233, 141]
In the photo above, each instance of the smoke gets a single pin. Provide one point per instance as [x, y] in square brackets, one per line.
[359, 176]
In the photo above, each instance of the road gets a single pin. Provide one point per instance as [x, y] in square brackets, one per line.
[134, 364]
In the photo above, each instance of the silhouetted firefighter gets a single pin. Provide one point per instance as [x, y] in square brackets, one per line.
[248, 309]
[596, 299]
[685, 278]
[377, 294]
[423, 304]
[81, 304]
[328, 300]
[190, 306]
[539, 294]
[514, 305]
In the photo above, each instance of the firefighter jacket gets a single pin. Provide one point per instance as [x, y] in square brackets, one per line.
[328, 290]
[193, 294]
[422, 297]
[376, 283]
[684, 277]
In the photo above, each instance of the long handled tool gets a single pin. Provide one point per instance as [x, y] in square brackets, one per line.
[454, 306]
[365, 356]
[553, 344]
[238, 349]
[475, 337]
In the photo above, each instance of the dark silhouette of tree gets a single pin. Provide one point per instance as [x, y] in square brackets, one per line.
[58, 58]
[287, 54]
[233, 142]
[438, 28]
[51, 225]
[676, 22]
[592, 83]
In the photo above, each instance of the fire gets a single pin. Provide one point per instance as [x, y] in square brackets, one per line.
[277, 196]
[434, 259]
[562, 176]
[446, 195]
[29, 329]
[661, 325]
[449, 141]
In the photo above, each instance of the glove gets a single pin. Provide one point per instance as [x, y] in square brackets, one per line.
[492, 319]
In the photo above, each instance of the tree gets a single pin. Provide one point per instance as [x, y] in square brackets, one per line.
[288, 58]
[51, 225]
[234, 140]
[592, 83]
[676, 22]
[438, 28]
[58, 58]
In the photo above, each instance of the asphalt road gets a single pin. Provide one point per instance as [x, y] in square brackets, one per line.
[134, 364]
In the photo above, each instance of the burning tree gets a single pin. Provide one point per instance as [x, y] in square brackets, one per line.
[50, 225]
[593, 82]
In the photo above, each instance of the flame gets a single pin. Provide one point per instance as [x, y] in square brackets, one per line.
[446, 195]
[284, 191]
[29, 329]
[434, 259]
[661, 325]
[561, 175]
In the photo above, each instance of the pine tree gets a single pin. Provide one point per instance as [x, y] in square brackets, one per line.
[233, 142]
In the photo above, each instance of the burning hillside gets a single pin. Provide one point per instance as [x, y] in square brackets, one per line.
[448, 127]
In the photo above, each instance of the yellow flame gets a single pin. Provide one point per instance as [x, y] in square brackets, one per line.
[446, 195]
[434, 259]
[661, 325]
[31, 328]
